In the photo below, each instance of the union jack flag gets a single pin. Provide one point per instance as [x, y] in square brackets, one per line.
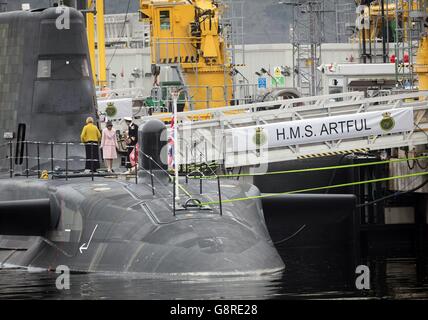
[171, 145]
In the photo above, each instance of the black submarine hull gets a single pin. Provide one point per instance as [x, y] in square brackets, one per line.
[104, 226]
[116, 227]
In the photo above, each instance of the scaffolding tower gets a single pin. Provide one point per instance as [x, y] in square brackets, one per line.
[411, 21]
[307, 35]
[3, 5]
[345, 21]
[392, 34]
[232, 22]
[126, 31]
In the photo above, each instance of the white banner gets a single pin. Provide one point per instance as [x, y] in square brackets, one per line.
[320, 130]
[114, 109]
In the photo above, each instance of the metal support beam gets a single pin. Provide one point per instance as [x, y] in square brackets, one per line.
[90, 27]
[102, 73]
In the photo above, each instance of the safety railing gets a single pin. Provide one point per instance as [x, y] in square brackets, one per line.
[214, 96]
[107, 94]
[201, 168]
[175, 50]
[55, 160]
[185, 53]
[209, 96]
[277, 106]
[202, 127]
[29, 158]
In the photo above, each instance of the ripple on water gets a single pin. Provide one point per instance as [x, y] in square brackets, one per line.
[326, 278]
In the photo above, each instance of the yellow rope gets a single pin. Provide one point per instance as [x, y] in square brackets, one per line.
[348, 166]
[351, 184]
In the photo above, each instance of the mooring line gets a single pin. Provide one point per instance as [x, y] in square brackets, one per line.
[351, 184]
[348, 166]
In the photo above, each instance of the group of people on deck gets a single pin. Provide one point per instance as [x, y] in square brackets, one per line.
[107, 141]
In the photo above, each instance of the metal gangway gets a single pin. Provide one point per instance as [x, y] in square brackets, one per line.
[107, 94]
[203, 136]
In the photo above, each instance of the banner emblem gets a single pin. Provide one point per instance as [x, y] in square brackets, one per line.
[388, 122]
[111, 110]
[260, 137]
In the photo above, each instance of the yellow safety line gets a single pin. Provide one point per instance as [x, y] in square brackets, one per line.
[318, 189]
[358, 165]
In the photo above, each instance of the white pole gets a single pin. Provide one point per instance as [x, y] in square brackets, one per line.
[176, 164]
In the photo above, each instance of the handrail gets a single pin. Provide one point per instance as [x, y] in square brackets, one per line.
[308, 101]
[300, 104]
[39, 158]
[120, 93]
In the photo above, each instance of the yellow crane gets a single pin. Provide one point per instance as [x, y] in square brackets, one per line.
[187, 35]
[389, 12]
[95, 10]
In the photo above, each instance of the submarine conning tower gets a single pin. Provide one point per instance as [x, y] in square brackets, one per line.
[46, 86]
[153, 137]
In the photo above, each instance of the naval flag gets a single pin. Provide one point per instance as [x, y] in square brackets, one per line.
[171, 142]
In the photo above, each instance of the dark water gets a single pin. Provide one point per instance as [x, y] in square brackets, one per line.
[310, 274]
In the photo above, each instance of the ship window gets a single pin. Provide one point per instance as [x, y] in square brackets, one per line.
[63, 68]
[85, 68]
[44, 69]
[165, 22]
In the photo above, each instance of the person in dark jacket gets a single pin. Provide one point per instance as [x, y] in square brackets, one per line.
[131, 140]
